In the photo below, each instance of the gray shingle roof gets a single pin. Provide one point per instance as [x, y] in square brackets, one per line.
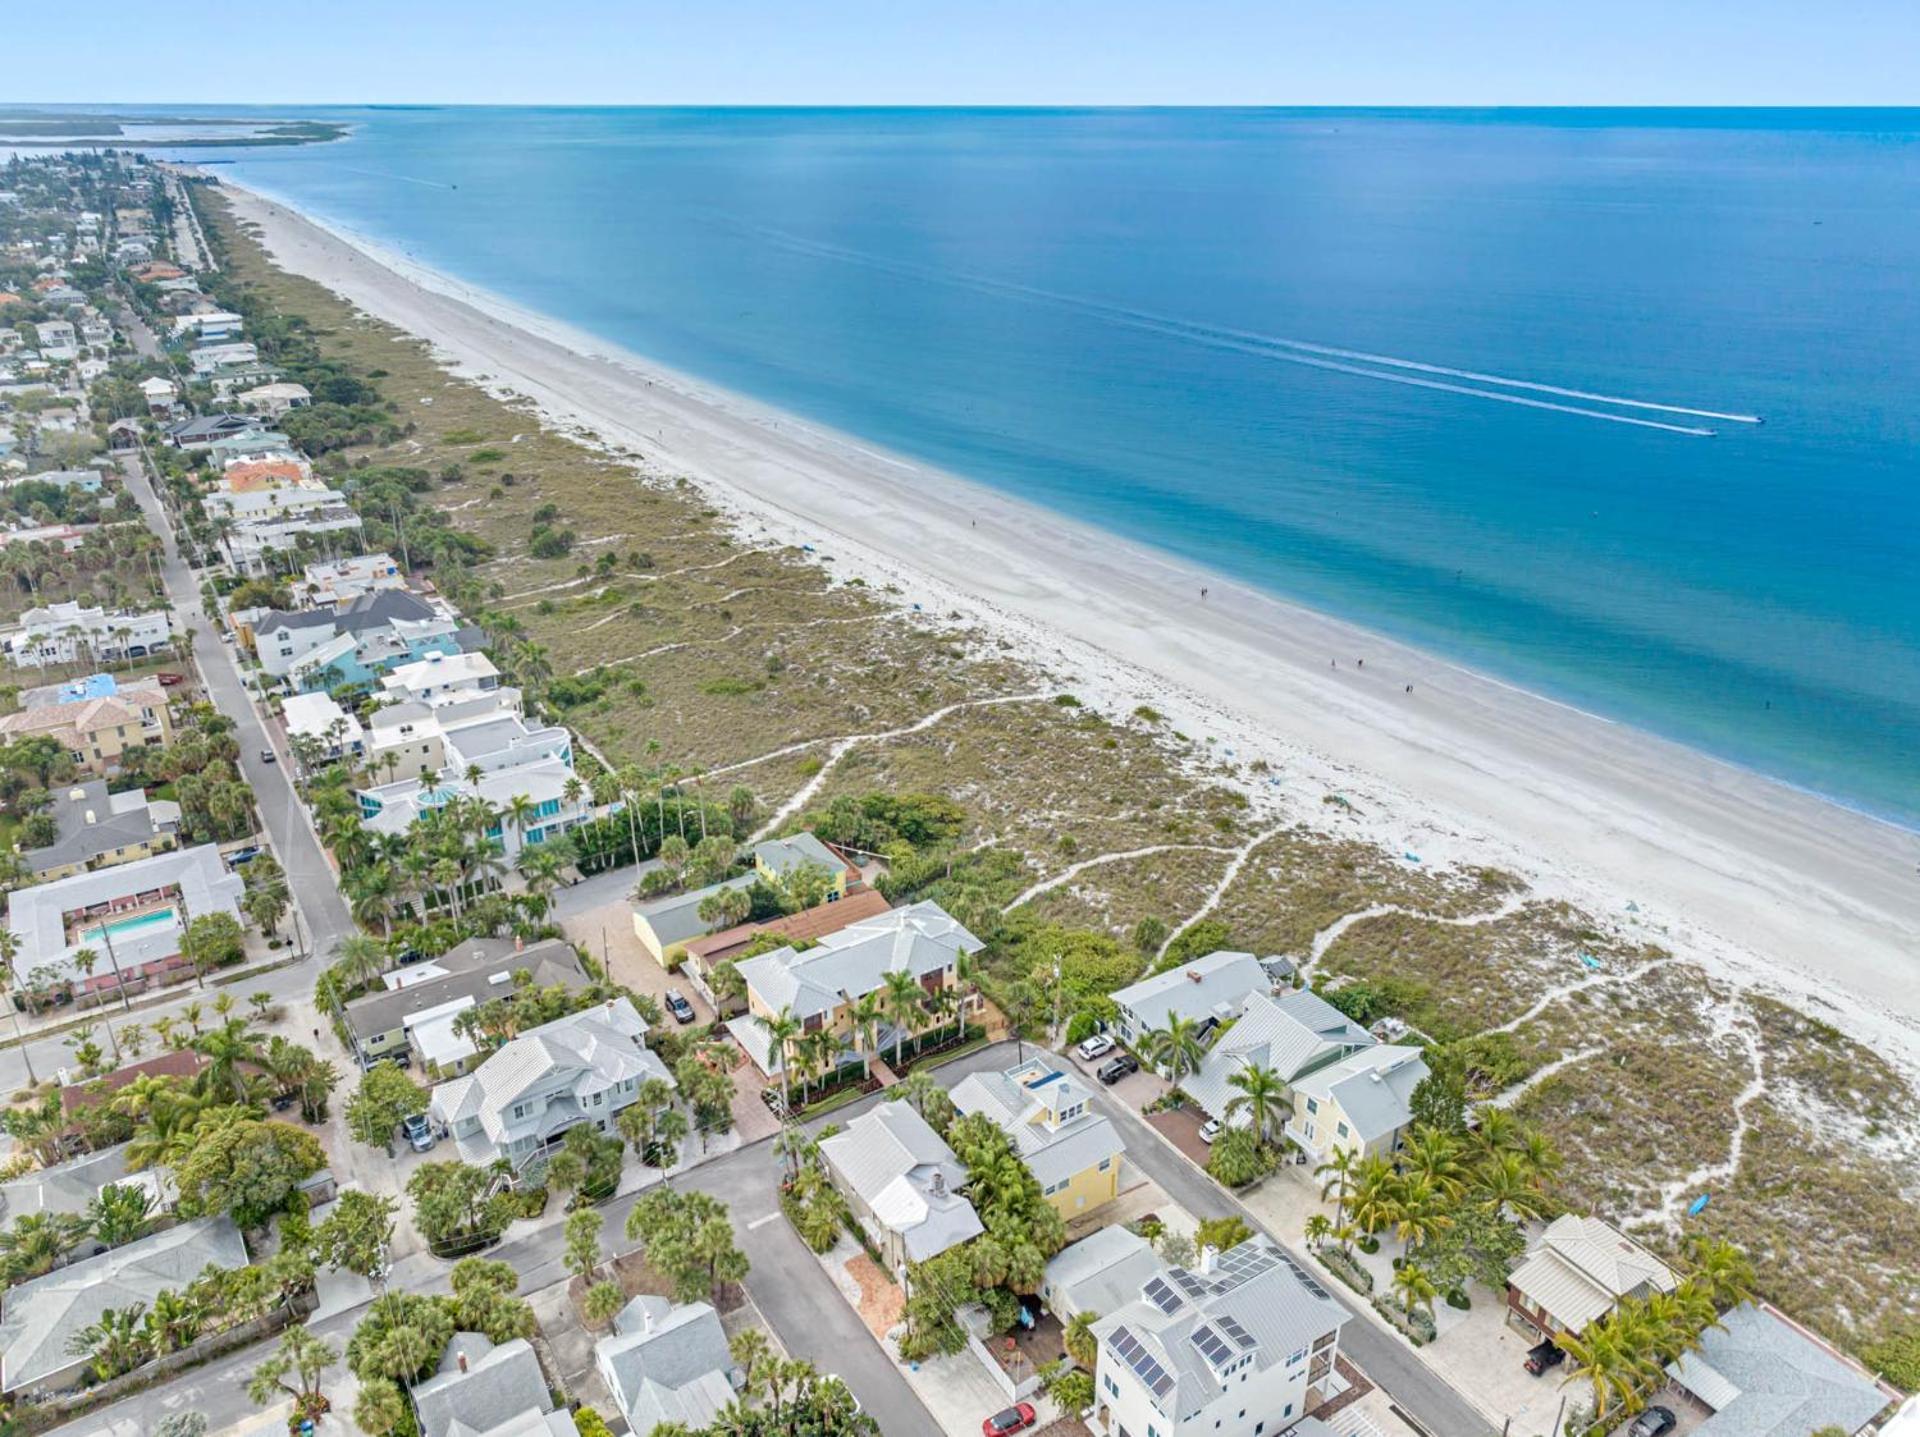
[920, 939]
[1200, 989]
[662, 1361]
[500, 1383]
[677, 918]
[88, 821]
[890, 1158]
[1765, 1377]
[42, 1316]
[1374, 1088]
[471, 970]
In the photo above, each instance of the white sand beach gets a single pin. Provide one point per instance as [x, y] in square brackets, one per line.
[1758, 881]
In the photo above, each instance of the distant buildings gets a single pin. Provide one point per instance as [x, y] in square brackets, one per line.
[318, 720]
[97, 730]
[354, 644]
[330, 584]
[66, 633]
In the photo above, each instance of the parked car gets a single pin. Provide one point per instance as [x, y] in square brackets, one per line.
[1210, 1129]
[226, 636]
[1115, 1069]
[1017, 1418]
[266, 756]
[1654, 1422]
[1543, 1355]
[170, 680]
[1098, 1046]
[242, 855]
[409, 955]
[775, 1100]
[419, 1132]
[678, 1005]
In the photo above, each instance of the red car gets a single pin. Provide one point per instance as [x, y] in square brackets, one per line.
[1017, 1418]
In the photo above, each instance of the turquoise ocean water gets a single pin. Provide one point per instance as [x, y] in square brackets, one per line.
[1250, 337]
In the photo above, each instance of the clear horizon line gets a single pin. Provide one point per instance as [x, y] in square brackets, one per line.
[1459, 106]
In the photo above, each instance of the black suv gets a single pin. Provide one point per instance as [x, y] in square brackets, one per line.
[1114, 1069]
[1543, 1355]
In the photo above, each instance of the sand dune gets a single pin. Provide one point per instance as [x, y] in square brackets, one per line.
[1745, 874]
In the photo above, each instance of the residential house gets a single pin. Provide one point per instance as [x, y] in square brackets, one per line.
[130, 917]
[1101, 1273]
[1362, 1102]
[522, 1100]
[502, 759]
[1291, 1035]
[1073, 1152]
[57, 340]
[902, 1182]
[181, 1063]
[411, 738]
[1758, 1373]
[483, 1390]
[97, 732]
[1242, 1346]
[780, 860]
[800, 929]
[1578, 1271]
[64, 633]
[441, 679]
[317, 719]
[664, 923]
[40, 1319]
[378, 620]
[194, 435]
[667, 1362]
[820, 985]
[208, 360]
[97, 829]
[1208, 991]
[70, 1189]
[210, 324]
[343, 580]
[268, 488]
[414, 1013]
[276, 399]
[88, 481]
[254, 547]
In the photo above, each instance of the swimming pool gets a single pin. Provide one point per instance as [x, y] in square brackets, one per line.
[128, 927]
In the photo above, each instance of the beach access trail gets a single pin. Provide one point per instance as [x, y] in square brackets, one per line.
[1713, 858]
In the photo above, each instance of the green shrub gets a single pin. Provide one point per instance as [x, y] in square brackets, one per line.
[1237, 1159]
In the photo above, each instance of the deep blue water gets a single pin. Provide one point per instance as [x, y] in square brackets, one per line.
[1042, 301]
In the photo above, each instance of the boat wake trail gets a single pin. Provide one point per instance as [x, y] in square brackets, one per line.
[1389, 369]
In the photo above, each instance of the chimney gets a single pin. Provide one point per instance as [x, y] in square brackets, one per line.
[646, 1318]
[1207, 1255]
[461, 1358]
[939, 1183]
[1193, 975]
[90, 817]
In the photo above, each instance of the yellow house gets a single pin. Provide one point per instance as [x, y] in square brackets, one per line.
[820, 986]
[96, 829]
[97, 731]
[778, 859]
[1362, 1103]
[1071, 1150]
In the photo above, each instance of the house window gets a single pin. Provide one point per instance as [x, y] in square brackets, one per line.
[596, 1099]
[1312, 1106]
[1105, 1164]
[1343, 1129]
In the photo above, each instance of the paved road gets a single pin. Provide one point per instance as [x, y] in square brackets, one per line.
[323, 912]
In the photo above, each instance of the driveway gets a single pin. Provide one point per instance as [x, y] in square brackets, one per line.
[606, 931]
[1181, 1127]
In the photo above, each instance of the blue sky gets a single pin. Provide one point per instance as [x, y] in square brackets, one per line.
[1618, 52]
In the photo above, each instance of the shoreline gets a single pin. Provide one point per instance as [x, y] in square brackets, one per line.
[1761, 880]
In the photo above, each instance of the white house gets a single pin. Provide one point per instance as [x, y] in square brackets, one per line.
[275, 399]
[317, 717]
[583, 1068]
[1290, 1035]
[210, 359]
[1244, 1346]
[667, 1362]
[1214, 988]
[903, 1184]
[442, 678]
[161, 395]
[324, 585]
[62, 633]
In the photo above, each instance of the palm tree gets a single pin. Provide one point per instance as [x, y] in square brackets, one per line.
[1319, 1229]
[175, 1320]
[361, 959]
[1259, 1091]
[1374, 1201]
[1414, 1287]
[1721, 1270]
[119, 1213]
[868, 1013]
[1419, 1211]
[225, 1048]
[114, 1344]
[1504, 1183]
[902, 1000]
[1336, 1176]
[1600, 1357]
[1176, 1049]
[782, 1028]
[1435, 1156]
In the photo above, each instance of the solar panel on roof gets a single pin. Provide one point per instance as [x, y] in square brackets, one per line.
[1161, 1296]
[1232, 1328]
[1194, 1287]
[1306, 1279]
[1211, 1347]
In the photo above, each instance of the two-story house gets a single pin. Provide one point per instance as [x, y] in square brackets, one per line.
[1289, 1035]
[583, 1068]
[1578, 1271]
[1242, 1346]
[821, 986]
[1207, 991]
[284, 641]
[902, 1183]
[1362, 1103]
[98, 730]
[1073, 1152]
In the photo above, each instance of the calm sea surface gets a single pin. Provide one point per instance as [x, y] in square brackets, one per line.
[1109, 312]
